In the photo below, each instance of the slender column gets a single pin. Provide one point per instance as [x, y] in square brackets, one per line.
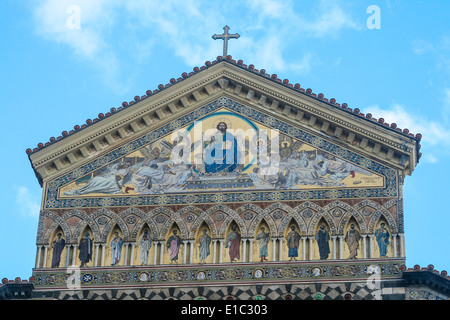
[394, 245]
[214, 250]
[184, 251]
[310, 255]
[280, 249]
[38, 257]
[45, 256]
[132, 254]
[155, 252]
[371, 246]
[334, 247]
[96, 254]
[67, 256]
[74, 255]
[304, 247]
[341, 246]
[244, 250]
[274, 247]
[191, 251]
[250, 251]
[125, 256]
[364, 240]
[402, 244]
[161, 253]
[221, 250]
[103, 246]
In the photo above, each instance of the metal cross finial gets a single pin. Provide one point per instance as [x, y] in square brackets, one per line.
[225, 36]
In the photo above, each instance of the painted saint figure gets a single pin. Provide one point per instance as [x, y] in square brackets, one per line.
[352, 239]
[233, 242]
[382, 235]
[263, 241]
[173, 244]
[116, 248]
[145, 243]
[204, 246]
[322, 238]
[293, 241]
[221, 152]
[58, 246]
[85, 248]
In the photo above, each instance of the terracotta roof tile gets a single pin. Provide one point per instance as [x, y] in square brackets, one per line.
[240, 63]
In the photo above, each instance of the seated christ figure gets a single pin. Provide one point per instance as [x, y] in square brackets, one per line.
[221, 152]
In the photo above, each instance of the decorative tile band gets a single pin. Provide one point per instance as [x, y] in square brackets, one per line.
[244, 273]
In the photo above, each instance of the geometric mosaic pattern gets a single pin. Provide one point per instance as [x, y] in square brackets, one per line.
[326, 291]
[227, 274]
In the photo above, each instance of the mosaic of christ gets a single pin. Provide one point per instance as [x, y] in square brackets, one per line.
[223, 151]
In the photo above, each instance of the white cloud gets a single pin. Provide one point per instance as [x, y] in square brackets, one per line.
[435, 137]
[331, 20]
[110, 29]
[28, 204]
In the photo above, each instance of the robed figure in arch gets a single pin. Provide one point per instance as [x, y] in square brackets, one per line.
[323, 238]
[85, 248]
[352, 239]
[116, 248]
[145, 243]
[382, 235]
[233, 242]
[293, 241]
[204, 246]
[263, 240]
[173, 244]
[58, 246]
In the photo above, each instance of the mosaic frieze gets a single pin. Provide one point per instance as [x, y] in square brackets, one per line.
[225, 274]
[223, 152]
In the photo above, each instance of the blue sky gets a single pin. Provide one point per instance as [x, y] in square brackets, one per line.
[62, 62]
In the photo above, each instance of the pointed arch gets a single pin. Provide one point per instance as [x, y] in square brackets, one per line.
[204, 218]
[258, 220]
[113, 219]
[173, 217]
[57, 222]
[347, 215]
[324, 213]
[382, 212]
[230, 215]
[144, 219]
[86, 220]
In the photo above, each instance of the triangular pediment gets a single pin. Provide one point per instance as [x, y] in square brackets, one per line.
[363, 157]
[271, 160]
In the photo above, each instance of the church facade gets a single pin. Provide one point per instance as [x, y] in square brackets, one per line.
[226, 183]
